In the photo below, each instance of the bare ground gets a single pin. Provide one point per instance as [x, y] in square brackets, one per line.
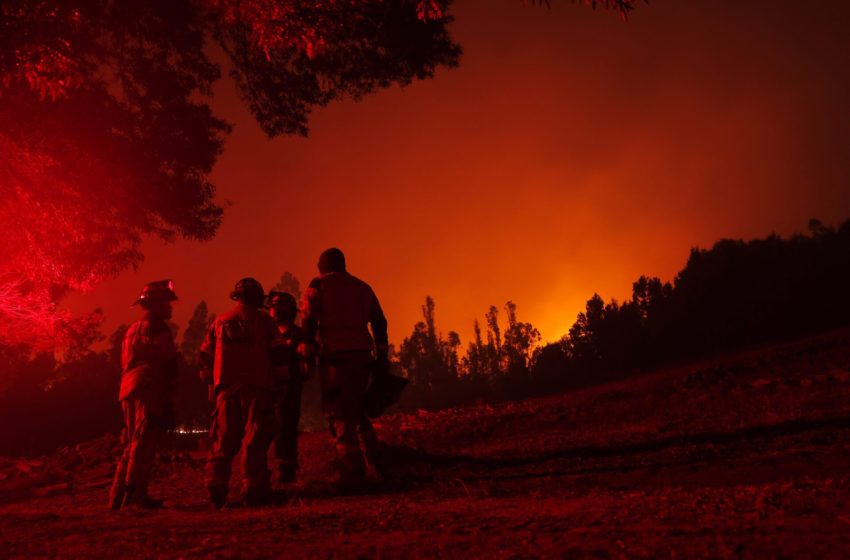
[745, 456]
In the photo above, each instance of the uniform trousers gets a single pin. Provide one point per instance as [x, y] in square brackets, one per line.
[145, 418]
[243, 417]
[344, 378]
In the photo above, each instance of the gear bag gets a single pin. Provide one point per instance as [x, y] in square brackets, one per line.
[384, 391]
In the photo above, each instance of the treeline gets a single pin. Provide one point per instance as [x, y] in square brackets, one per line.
[496, 364]
[737, 293]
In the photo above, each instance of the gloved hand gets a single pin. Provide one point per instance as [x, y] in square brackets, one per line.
[307, 350]
[281, 375]
[306, 368]
[382, 360]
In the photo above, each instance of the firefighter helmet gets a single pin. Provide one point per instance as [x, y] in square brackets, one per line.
[161, 290]
[248, 290]
[281, 299]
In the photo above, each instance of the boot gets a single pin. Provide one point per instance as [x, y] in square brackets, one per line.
[137, 498]
[218, 496]
[352, 473]
[116, 497]
[258, 497]
[374, 452]
[286, 473]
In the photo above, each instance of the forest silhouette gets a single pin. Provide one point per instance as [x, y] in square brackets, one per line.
[735, 294]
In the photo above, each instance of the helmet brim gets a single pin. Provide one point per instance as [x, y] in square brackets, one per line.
[170, 297]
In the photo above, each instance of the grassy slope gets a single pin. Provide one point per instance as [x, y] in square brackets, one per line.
[741, 456]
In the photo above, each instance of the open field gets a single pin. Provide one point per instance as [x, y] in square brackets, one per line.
[742, 456]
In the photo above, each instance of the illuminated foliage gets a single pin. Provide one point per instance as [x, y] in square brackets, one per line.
[106, 134]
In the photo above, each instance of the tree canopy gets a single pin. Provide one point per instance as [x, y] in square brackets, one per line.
[107, 136]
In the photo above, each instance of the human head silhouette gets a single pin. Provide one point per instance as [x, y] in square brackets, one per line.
[156, 299]
[282, 306]
[332, 260]
[249, 291]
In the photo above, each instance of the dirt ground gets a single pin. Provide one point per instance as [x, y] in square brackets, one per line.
[746, 456]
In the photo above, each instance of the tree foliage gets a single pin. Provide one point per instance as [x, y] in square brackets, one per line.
[496, 368]
[107, 136]
[318, 51]
[736, 293]
[290, 284]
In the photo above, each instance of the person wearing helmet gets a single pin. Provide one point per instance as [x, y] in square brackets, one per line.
[148, 377]
[241, 357]
[337, 311]
[284, 309]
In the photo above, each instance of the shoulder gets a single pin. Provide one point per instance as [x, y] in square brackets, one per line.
[158, 328]
[227, 315]
[135, 328]
[364, 287]
[314, 288]
[258, 316]
[355, 280]
[148, 328]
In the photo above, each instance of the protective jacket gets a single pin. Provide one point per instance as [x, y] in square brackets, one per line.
[149, 371]
[292, 336]
[338, 309]
[148, 357]
[242, 347]
[288, 406]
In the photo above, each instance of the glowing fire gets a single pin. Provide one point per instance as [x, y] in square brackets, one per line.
[183, 430]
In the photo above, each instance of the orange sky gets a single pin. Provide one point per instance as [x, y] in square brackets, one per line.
[569, 154]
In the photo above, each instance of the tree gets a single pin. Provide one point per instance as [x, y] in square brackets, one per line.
[550, 367]
[583, 335]
[290, 284]
[116, 341]
[451, 356]
[430, 361]
[195, 333]
[494, 341]
[190, 400]
[107, 136]
[475, 365]
[520, 340]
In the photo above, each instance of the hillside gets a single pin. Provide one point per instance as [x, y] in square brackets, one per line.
[745, 455]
